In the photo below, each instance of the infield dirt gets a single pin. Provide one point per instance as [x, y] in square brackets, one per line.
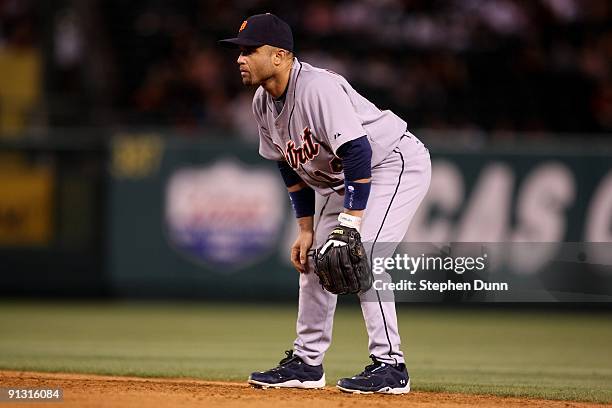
[104, 391]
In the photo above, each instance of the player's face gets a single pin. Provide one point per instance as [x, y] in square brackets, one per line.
[255, 65]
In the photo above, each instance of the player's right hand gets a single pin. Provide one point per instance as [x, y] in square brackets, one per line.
[299, 250]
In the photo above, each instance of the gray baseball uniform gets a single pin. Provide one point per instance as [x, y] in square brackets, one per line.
[321, 112]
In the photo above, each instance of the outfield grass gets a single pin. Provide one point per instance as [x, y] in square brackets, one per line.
[510, 353]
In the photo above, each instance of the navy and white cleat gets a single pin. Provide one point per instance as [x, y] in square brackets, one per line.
[378, 377]
[291, 372]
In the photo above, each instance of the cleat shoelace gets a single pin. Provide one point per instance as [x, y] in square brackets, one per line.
[288, 359]
[369, 368]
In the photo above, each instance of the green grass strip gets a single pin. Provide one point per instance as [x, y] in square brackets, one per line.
[561, 355]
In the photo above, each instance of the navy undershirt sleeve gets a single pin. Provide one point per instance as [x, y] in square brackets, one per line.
[356, 158]
[303, 200]
[290, 177]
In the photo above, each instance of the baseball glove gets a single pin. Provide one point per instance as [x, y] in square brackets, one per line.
[342, 264]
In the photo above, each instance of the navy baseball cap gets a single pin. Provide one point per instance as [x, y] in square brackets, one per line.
[262, 29]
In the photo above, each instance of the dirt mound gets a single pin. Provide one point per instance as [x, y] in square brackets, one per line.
[102, 391]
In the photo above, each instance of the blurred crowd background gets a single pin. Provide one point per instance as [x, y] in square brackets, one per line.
[500, 67]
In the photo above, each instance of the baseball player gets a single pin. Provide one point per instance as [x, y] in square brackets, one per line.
[360, 167]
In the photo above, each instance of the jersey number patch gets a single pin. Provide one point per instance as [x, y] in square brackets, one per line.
[335, 165]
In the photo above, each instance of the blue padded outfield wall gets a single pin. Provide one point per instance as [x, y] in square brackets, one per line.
[211, 220]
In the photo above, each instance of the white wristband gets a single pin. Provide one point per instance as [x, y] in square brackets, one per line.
[351, 221]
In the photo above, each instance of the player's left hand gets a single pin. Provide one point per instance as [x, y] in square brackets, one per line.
[341, 264]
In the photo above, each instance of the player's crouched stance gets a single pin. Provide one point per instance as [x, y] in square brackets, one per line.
[335, 147]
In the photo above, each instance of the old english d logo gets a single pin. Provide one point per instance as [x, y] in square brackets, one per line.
[243, 26]
[309, 149]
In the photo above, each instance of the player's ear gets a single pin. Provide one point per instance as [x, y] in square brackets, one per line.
[278, 56]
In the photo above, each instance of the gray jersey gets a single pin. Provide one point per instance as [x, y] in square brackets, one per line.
[322, 111]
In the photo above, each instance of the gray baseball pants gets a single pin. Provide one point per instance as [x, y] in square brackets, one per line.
[399, 184]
